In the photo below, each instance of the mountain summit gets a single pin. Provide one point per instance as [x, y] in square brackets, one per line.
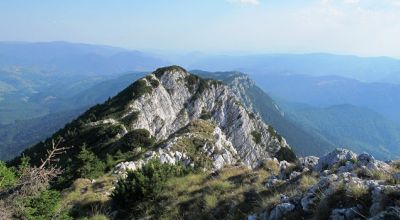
[177, 117]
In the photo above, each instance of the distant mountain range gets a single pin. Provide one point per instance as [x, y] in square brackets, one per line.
[366, 69]
[325, 91]
[311, 93]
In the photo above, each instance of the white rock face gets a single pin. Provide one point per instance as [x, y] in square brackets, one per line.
[336, 156]
[173, 104]
[309, 162]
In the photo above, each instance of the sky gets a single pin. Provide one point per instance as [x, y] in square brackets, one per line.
[359, 27]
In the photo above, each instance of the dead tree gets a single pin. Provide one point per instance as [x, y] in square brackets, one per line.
[33, 179]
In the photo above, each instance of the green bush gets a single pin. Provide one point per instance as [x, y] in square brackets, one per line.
[137, 138]
[130, 119]
[161, 71]
[90, 165]
[7, 176]
[256, 137]
[143, 185]
[205, 115]
[42, 206]
[154, 83]
[287, 154]
[191, 81]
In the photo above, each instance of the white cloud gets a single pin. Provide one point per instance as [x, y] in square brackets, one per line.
[351, 1]
[245, 2]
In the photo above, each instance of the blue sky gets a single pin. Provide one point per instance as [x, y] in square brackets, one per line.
[361, 27]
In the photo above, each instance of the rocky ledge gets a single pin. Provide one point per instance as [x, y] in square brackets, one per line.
[341, 186]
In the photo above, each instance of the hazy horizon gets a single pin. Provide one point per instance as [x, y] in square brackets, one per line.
[163, 53]
[346, 27]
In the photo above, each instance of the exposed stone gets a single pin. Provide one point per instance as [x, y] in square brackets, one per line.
[365, 158]
[309, 162]
[388, 213]
[345, 214]
[294, 174]
[336, 156]
[396, 177]
[280, 211]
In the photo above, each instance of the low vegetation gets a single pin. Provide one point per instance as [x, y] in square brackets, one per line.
[132, 195]
[287, 154]
[256, 137]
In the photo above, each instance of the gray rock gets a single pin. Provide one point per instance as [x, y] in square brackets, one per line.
[273, 181]
[390, 213]
[345, 214]
[365, 158]
[309, 202]
[170, 106]
[336, 156]
[280, 211]
[396, 177]
[294, 174]
[251, 217]
[309, 162]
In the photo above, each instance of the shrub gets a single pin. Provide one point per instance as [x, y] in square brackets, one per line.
[271, 166]
[306, 182]
[154, 83]
[7, 176]
[256, 137]
[191, 81]
[143, 185]
[130, 119]
[160, 71]
[344, 196]
[138, 138]
[90, 165]
[42, 206]
[210, 201]
[287, 154]
[205, 115]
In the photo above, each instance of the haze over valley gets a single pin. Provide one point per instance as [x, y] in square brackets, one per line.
[230, 109]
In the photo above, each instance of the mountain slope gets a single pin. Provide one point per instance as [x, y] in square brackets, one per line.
[33, 76]
[21, 134]
[155, 109]
[18, 136]
[304, 142]
[359, 129]
[325, 91]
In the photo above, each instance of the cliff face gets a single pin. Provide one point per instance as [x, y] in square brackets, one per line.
[181, 98]
[181, 117]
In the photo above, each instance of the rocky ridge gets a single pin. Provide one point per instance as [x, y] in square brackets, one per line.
[347, 186]
[183, 100]
[159, 117]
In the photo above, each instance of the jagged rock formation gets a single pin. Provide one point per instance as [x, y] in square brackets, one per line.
[159, 116]
[181, 98]
[230, 131]
[350, 186]
[256, 100]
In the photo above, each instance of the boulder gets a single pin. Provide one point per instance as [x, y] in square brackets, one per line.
[294, 175]
[308, 162]
[389, 213]
[396, 177]
[344, 214]
[337, 156]
[279, 211]
[364, 158]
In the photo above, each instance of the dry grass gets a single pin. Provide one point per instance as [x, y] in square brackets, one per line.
[232, 193]
[85, 198]
[270, 166]
[306, 182]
